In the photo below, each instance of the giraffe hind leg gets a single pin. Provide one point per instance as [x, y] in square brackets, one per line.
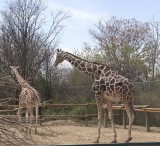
[131, 115]
[110, 110]
[26, 126]
[19, 113]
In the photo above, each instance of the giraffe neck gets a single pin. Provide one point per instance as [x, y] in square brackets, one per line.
[20, 80]
[89, 68]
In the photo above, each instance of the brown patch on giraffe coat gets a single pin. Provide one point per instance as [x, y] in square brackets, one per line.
[108, 73]
[76, 64]
[69, 59]
[89, 69]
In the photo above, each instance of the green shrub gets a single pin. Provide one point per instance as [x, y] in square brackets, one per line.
[80, 110]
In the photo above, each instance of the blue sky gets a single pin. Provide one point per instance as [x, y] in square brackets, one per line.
[86, 13]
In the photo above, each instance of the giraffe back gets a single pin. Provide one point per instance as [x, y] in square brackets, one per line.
[29, 96]
[114, 87]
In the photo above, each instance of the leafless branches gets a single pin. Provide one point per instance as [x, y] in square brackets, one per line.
[122, 43]
[25, 40]
[11, 133]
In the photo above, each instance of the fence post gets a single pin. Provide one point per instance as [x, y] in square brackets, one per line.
[40, 115]
[124, 119]
[105, 117]
[147, 122]
[86, 117]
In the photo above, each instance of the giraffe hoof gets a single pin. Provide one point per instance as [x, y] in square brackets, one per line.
[128, 139]
[114, 141]
[96, 141]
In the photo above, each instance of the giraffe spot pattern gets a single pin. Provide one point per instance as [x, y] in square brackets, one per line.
[28, 96]
[114, 87]
[108, 86]
[106, 81]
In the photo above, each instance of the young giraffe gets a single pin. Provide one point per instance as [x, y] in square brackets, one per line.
[107, 85]
[28, 98]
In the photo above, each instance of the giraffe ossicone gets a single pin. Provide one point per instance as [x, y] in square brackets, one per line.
[108, 86]
[28, 98]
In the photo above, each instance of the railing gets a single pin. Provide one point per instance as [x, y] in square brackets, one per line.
[139, 108]
[53, 117]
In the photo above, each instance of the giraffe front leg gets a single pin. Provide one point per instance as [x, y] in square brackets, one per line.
[99, 107]
[19, 113]
[110, 111]
[26, 126]
[31, 119]
[37, 117]
[131, 115]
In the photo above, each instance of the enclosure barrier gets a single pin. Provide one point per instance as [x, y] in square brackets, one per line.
[119, 144]
[139, 108]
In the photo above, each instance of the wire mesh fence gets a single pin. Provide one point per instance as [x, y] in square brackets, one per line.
[148, 93]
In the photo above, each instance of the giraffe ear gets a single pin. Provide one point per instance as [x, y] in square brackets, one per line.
[17, 67]
[59, 50]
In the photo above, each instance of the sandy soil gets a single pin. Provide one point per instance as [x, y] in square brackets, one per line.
[75, 134]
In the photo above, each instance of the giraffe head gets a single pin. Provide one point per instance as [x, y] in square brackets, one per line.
[59, 58]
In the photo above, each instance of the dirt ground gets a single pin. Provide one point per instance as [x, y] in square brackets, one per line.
[70, 133]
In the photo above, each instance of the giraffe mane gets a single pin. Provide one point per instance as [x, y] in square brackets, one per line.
[88, 61]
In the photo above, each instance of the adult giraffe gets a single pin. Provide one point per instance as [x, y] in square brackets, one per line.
[28, 98]
[107, 85]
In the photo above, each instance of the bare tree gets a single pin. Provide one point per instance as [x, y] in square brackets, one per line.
[152, 49]
[121, 43]
[24, 40]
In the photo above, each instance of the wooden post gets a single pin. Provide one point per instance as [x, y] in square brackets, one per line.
[40, 115]
[124, 119]
[147, 122]
[105, 117]
[86, 117]
[119, 117]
